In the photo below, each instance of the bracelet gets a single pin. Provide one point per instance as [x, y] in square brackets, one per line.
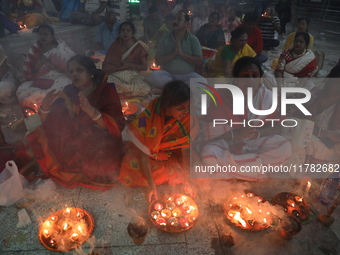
[97, 116]
[94, 114]
[42, 111]
[320, 130]
[258, 134]
[232, 134]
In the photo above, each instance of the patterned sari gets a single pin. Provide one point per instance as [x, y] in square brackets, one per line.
[159, 140]
[128, 82]
[74, 150]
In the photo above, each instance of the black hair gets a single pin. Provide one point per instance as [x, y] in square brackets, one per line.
[130, 24]
[152, 9]
[186, 16]
[215, 13]
[243, 62]
[250, 17]
[335, 72]
[303, 18]
[237, 32]
[305, 37]
[175, 93]
[89, 65]
[170, 16]
[44, 26]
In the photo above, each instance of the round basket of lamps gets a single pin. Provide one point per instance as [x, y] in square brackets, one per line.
[292, 204]
[66, 229]
[173, 212]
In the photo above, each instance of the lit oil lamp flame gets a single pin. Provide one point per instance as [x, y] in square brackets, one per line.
[65, 226]
[54, 218]
[74, 237]
[47, 223]
[237, 217]
[248, 210]
[264, 220]
[80, 229]
[298, 199]
[46, 233]
[67, 212]
[52, 242]
[290, 203]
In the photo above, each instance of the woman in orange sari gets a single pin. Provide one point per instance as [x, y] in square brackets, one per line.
[159, 141]
[79, 141]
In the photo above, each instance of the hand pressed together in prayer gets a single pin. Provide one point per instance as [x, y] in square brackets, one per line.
[49, 99]
[85, 105]
[179, 49]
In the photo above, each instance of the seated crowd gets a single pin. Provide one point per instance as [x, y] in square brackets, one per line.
[79, 141]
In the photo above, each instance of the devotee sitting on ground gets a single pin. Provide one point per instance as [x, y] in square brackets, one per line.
[229, 23]
[160, 136]
[178, 53]
[302, 26]
[164, 29]
[106, 33]
[124, 60]
[242, 145]
[255, 40]
[296, 62]
[227, 55]
[151, 24]
[211, 35]
[79, 142]
[324, 106]
[200, 19]
[268, 24]
[45, 68]
[91, 13]
[8, 84]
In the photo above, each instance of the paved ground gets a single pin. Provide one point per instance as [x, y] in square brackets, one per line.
[114, 209]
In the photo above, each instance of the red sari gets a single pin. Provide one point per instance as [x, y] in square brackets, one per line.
[159, 140]
[74, 150]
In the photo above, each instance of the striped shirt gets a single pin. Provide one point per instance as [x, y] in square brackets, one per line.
[267, 28]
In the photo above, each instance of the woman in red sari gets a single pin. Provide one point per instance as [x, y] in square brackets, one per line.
[80, 139]
[159, 141]
[125, 59]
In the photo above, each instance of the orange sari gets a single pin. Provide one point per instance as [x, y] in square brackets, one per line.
[160, 140]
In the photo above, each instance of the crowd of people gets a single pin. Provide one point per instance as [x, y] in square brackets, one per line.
[80, 139]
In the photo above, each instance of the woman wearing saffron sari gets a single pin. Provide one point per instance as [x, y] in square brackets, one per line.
[227, 55]
[79, 142]
[124, 60]
[297, 62]
[211, 35]
[159, 141]
[45, 68]
[244, 145]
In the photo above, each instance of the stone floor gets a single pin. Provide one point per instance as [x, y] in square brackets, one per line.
[114, 209]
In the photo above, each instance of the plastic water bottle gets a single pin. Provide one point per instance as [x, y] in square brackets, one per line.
[329, 189]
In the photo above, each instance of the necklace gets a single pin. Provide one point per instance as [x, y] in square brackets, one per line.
[299, 55]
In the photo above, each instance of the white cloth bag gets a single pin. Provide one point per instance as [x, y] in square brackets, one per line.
[11, 184]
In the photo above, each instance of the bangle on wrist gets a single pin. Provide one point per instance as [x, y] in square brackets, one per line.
[97, 116]
[94, 114]
[43, 111]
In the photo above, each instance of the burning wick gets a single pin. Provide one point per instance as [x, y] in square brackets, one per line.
[176, 212]
[46, 233]
[180, 200]
[158, 207]
[173, 222]
[80, 229]
[74, 237]
[155, 215]
[48, 223]
[166, 213]
[54, 218]
[298, 199]
[161, 222]
[309, 185]
[184, 222]
[290, 203]
[80, 215]
[191, 208]
[239, 219]
[66, 226]
[67, 212]
[52, 242]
